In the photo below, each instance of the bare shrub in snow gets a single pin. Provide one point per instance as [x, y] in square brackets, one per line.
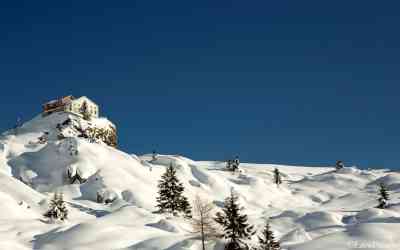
[202, 220]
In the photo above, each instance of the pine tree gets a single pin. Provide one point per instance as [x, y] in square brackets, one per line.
[383, 196]
[267, 240]
[277, 177]
[184, 207]
[52, 211]
[62, 207]
[237, 162]
[75, 177]
[339, 165]
[235, 226]
[170, 193]
[233, 165]
[57, 208]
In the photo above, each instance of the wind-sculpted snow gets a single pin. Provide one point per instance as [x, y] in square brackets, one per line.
[112, 203]
[391, 180]
[18, 198]
[297, 235]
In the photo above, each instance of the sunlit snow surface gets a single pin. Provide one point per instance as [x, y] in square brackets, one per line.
[315, 208]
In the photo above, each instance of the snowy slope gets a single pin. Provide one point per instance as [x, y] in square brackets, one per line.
[315, 208]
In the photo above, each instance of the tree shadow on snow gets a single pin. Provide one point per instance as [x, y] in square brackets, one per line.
[90, 211]
[41, 240]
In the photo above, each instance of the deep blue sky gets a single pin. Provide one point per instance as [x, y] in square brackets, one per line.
[296, 82]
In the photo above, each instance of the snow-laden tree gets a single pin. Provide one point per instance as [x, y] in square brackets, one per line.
[266, 241]
[339, 165]
[236, 229]
[383, 200]
[57, 208]
[277, 177]
[236, 161]
[75, 176]
[202, 220]
[170, 194]
[233, 165]
[184, 207]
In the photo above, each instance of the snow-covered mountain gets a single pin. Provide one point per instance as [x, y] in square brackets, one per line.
[314, 208]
